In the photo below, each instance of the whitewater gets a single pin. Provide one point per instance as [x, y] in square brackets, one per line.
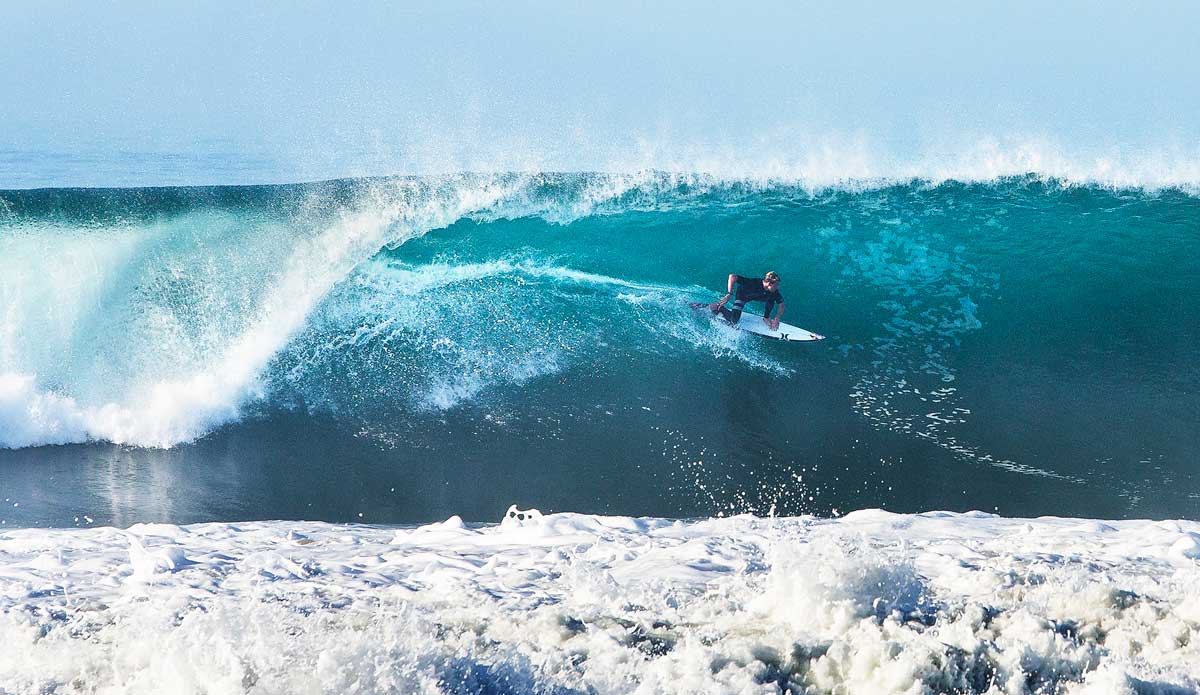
[572, 603]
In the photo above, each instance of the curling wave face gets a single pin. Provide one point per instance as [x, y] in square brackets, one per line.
[959, 315]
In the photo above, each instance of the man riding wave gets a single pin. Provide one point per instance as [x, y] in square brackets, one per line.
[752, 289]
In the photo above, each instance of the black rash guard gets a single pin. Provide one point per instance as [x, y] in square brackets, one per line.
[750, 289]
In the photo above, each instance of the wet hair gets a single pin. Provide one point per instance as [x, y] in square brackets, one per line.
[771, 276]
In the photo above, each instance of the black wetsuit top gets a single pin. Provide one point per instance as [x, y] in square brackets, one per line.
[750, 289]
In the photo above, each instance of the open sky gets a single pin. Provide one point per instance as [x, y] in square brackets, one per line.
[301, 90]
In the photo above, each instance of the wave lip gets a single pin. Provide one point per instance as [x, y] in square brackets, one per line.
[860, 163]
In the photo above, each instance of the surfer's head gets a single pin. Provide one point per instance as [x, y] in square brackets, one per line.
[771, 279]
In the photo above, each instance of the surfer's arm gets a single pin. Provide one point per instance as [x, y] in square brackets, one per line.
[733, 280]
[774, 323]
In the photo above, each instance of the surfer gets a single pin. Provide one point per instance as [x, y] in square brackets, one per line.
[751, 289]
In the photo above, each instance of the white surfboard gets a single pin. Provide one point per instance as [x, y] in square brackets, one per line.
[753, 323]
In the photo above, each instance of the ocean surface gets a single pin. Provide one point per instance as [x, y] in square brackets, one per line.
[288, 438]
[396, 350]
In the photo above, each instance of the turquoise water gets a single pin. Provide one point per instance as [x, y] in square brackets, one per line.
[409, 348]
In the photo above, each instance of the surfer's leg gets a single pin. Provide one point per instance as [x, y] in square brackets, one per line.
[735, 314]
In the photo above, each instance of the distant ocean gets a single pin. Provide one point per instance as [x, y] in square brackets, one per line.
[405, 349]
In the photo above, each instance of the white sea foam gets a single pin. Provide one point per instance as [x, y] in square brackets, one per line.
[872, 602]
[860, 162]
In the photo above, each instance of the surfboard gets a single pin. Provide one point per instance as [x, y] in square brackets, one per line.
[753, 323]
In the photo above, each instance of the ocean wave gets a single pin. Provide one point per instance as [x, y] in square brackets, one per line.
[154, 316]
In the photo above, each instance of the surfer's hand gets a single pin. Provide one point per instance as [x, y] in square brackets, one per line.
[773, 323]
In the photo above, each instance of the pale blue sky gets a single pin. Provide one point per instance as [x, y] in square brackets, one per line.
[316, 89]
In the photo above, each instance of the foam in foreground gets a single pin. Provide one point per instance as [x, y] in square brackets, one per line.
[870, 603]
